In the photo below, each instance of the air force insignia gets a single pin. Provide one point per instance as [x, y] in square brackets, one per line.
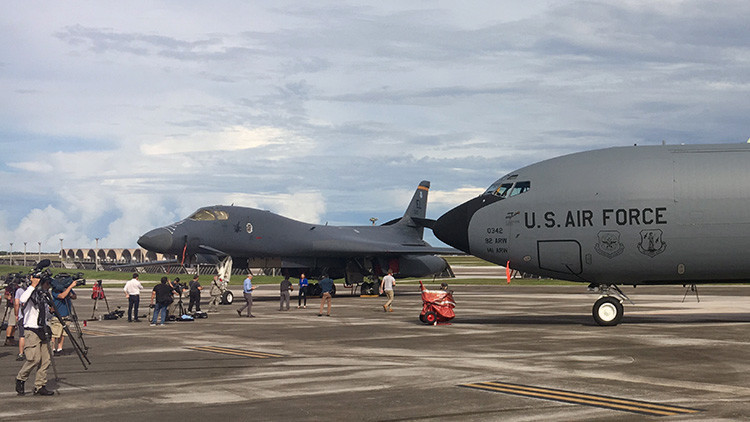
[651, 243]
[609, 244]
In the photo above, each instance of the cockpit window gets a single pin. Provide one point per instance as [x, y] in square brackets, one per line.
[519, 188]
[221, 215]
[498, 189]
[505, 189]
[203, 215]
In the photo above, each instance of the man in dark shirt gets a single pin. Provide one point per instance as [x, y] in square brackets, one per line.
[163, 294]
[326, 286]
[286, 288]
[195, 295]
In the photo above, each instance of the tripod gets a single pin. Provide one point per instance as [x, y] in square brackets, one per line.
[80, 351]
[179, 308]
[97, 296]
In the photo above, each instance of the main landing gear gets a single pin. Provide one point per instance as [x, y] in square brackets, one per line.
[608, 309]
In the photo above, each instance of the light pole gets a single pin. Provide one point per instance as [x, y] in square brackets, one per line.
[11, 253]
[62, 253]
[24, 254]
[39, 256]
[96, 257]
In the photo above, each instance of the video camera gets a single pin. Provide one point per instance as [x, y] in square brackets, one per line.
[62, 281]
[179, 286]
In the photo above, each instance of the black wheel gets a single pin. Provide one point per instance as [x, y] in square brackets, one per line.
[227, 297]
[607, 311]
[429, 318]
[421, 317]
[333, 290]
[366, 288]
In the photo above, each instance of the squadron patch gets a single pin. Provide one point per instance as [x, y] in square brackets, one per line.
[651, 243]
[609, 244]
[249, 228]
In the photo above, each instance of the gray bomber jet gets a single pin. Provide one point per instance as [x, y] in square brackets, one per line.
[264, 239]
[628, 215]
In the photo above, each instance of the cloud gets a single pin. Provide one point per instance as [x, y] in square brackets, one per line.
[119, 118]
[229, 139]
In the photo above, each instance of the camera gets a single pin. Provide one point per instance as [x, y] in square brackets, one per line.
[62, 280]
[178, 285]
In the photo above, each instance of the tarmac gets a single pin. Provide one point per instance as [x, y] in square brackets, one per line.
[513, 353]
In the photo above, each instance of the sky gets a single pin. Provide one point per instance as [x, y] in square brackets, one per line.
[118, 117]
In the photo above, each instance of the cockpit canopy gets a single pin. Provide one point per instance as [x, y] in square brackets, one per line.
[209, 215]
[505, 188]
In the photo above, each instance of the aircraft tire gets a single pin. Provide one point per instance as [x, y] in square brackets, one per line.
[227, 297]
[333, 290]
[429, 318]
[421, 317]
[607, 311]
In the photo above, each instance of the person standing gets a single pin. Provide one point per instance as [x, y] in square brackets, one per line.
[10, 298]
[133, 292]
[61, 299]
[216, 290]
[326, 287]
[35, 317]
[162, 293]
[386, 285]
[19, 322]
[286, 289]
[247, 291]
[195, 294]
[302, 294]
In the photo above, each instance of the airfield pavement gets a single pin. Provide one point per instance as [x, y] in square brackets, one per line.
[513, 353]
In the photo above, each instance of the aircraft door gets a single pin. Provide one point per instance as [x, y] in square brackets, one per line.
[561, 256]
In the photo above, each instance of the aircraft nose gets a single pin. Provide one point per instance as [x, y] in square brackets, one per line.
[158, 240]
[453, 226]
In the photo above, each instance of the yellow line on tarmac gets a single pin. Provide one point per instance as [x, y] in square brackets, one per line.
[235, 352]
[582, 398]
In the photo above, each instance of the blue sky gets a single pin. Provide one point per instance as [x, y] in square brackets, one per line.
[117, 117]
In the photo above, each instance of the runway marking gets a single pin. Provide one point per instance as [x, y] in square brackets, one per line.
[95, 333]
[614, 403]
[235, 352]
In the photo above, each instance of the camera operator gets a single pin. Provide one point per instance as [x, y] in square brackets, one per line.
[9, 295]
[61, 298]
[36, 314]
[195, 295]
[19, 320]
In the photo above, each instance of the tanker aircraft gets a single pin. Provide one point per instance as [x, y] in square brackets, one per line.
[627, 215]
[221, 234]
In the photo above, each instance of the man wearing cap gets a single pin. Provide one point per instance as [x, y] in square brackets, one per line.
[247, 291]
[35, 319]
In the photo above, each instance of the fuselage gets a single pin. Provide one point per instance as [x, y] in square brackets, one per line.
[626, 215]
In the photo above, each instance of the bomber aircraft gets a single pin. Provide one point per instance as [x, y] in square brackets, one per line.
[221, 234]
[626, 215]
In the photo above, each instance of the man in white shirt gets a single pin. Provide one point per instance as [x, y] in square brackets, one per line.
[36, 316]
[133, 293]
[386, 285]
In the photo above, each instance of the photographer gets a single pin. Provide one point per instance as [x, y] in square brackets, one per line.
[36, 314]
[195, 295]
[10, 294]
[162, 294]
[19, 320]
[61, 296]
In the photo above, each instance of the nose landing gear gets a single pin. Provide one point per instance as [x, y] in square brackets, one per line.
[608, 309]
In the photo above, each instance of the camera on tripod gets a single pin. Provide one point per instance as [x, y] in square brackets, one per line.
[63, 280]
